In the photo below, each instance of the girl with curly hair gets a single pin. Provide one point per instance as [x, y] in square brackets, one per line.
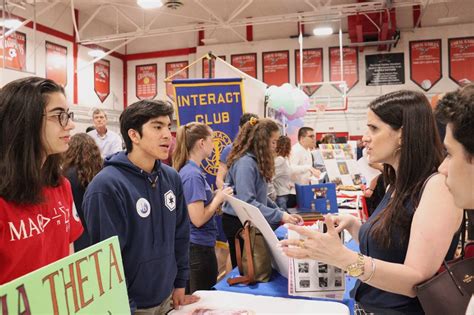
[251, 167]
[81, 162]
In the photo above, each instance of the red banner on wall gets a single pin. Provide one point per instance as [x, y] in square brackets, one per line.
[172, 68]
[205, 67]
[15, 51]
[102, 79]
[145, 81]
[425, 63]
[276, 67]
[56, 63]
[350, 64]
[312, 68]
[461, 59]
[246, 63]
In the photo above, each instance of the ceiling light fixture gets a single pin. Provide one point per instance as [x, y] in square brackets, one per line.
[150, 4]
[322, 31]
[96, 53]
[10, 23]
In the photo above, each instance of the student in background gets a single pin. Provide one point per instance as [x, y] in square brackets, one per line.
[414, 227]
[35, 127]
[252, 167]
[193, 145]
[139, 199]
[108, 141]
[222, 170]
[81, 162]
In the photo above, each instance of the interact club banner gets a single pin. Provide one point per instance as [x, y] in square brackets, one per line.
[15, 51]
[205, 67]
[217, 103]
[276, 67]
[246, 63]
[312, 68]
[91, 281]
[425, 63]
[145, 81]
[350, 57]
[461, 59]
[171, 68]
[102, 79]
[56, 63]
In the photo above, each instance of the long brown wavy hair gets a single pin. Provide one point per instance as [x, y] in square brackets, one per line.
[283, 146]
[186, 138]
[420, 156]
[84, 155]
[254, 137]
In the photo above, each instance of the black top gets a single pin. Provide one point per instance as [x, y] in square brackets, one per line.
[78, 194]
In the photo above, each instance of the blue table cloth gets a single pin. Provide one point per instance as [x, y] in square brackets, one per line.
[278, 285]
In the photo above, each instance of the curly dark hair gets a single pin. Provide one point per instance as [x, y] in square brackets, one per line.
[254, 137]
[83, 155]
[283, 146]
[457, 108]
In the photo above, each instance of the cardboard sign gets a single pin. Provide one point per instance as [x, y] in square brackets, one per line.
[15, 51]
[312, 68]
[102, 79]
[246, 63]
[276, 67]
[350, 63]
[425, 63]
[172, 68]
[461, 59]
[56, 63]
[145, 81]
[91, 281]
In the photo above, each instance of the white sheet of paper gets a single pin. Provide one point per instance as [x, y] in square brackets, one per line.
[368, 172]
[246, 212]
[220, 302]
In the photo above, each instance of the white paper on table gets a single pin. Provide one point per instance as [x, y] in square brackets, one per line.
[368, 172]
[229, 303]
[246, 212]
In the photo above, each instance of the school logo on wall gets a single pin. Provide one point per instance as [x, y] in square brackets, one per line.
[143, 207]
[15, 51]
[102, 79]
[170, 200]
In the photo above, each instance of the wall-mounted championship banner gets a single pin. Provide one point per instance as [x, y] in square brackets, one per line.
[461, 59]
[425, 63]
[276, 67]
[385, 69]
[312, 68]
[56, 63]
[205, 67]
[246, 63]
[217, 103]
[102, 79]
[350, 56]
[91, 281]
[145, 81]
[171, 68]
[15, 51]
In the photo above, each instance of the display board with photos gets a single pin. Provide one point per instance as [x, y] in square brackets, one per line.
[341, 164]
[312, 278]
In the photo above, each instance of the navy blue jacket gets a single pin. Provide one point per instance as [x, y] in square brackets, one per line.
[148, 213]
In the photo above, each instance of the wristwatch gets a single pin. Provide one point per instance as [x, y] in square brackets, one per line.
[356, 269]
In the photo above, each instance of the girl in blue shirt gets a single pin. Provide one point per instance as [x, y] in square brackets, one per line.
[193, 145]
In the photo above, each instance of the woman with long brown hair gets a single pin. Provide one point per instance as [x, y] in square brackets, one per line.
[251, 167]
[81, 162]
[413, 228]
[193, 145]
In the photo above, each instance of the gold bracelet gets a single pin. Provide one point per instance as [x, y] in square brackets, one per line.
[373, 270]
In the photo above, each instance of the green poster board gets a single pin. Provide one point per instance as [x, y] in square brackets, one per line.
[91, 281]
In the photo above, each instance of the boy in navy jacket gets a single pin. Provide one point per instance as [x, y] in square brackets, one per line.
[140, 199]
